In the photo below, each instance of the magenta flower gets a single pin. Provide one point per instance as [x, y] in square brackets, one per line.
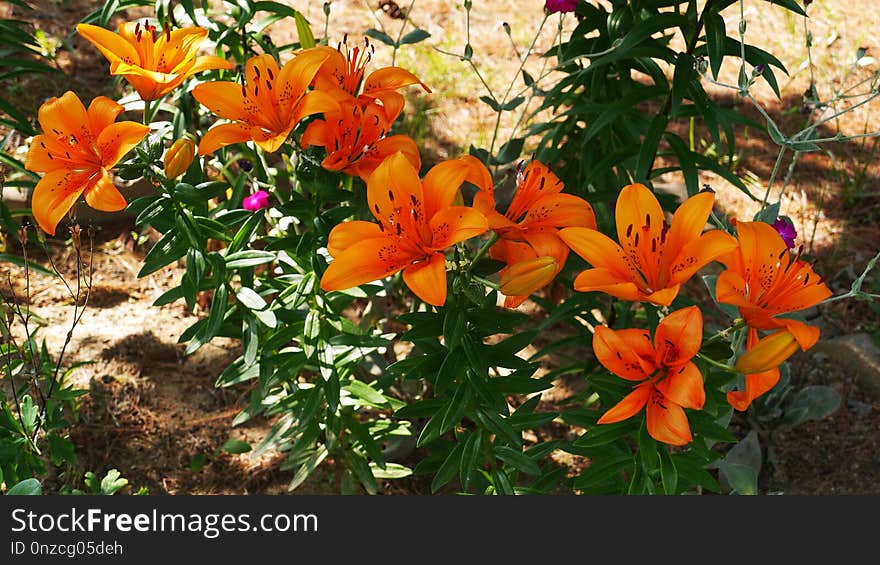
[256, 201]
[786, 230]
[564, 6]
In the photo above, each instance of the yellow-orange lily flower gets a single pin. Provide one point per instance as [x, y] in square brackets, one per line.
[760, 363]
[356, 141]
[268, 106]
[417, 222]
[524, 277]
[76, 150]
[529, 229]
[154, 62]
[654, 258]
[343, 74]
[763, 279]
[668, 380]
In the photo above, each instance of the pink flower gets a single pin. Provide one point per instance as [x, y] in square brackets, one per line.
[787, 231]
[564, 6]
[256, 201]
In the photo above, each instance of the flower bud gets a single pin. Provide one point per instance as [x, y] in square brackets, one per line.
[786, 230]
[256, 201]
[561, 6]
[525, 277]
[179, 157]
[770, 351]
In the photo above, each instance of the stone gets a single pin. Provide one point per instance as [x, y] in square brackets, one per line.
[857, 354]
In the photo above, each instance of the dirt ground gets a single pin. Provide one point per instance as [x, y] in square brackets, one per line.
[157, 417]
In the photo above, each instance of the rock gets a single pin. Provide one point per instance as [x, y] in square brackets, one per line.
[857, 354]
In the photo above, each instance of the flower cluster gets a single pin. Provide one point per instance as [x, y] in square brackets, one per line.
[417, 219]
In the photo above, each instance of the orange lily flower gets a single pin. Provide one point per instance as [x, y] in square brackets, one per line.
[76, 150]
[417, 221]
[153, 62]
[355, 139]
[343, 72]
[764, 280]
[668, 380]
[654, 258]
[529, 229]
[268, 106]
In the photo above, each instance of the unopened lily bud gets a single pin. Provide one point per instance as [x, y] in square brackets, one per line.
[525, 277]
[768, 353]
[179, 157]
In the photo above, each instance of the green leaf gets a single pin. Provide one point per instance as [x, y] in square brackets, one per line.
[811, 403]
[248, 258]
[692, 470]
[448, 469]
[499, 426]
[668, 474]
[501, 482]
[112, 482]
[250, 299]
[517, 459]
[380, 36]
[648, 149]
[470, 457]
[491, 102]
[741, 478]
[361, 468]
[455, 409]
[27, 487]
[510, 151]
[601, 471]
[34, 267]
[604, 434]
[415, 36]
[304, 31]
[391, 471]
[236, 446]
[366, 393]
[716, 37]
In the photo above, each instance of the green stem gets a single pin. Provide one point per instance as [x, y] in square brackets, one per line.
[148, 115]
[716, 364]
[738, 324]
[482, 250]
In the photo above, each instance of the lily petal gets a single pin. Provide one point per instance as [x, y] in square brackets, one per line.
[427, 279]
[347, 234]
[601, 251]
[626, 353]
[102, 112]
[688, 222]
[699, 252]
[56, 194]
[679, 336]
[113, 46]
[684, 386]
[119, 138]
[454, 224]
[629, 406]
[667, 421]
[104, 196]
[366, 261]
[605, 280]
[757, 384]
[222, 135]
[442, 182]
[223, 99]
[390, 78]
